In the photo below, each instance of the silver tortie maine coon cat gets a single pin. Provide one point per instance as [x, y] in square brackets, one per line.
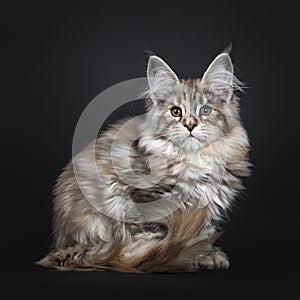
[164, 180]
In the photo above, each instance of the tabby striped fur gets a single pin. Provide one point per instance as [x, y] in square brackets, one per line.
[101, 225]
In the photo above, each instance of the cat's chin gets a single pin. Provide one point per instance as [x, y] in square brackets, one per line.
[192, 143]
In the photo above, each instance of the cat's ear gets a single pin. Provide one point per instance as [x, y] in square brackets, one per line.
[219, 77]
[160, 76]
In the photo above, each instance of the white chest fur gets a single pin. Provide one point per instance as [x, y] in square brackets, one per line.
[201, 181]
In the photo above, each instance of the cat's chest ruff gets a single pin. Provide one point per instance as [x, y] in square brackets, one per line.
[201, 180]
[195, 167]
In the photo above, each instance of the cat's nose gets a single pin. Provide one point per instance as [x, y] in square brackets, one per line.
[190, 126]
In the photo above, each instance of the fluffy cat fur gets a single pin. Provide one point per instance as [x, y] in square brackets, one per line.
[201, 158]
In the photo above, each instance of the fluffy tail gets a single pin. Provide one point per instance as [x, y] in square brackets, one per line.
[185, 240]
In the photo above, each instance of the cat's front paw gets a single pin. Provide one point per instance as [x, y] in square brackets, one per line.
[216, 260]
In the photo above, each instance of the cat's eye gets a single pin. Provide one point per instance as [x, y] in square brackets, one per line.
[176, 111]
[205, 110]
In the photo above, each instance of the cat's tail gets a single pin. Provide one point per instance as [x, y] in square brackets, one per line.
[186, 240]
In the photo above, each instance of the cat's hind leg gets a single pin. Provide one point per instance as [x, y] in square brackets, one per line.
[63, 259]
[78, 258]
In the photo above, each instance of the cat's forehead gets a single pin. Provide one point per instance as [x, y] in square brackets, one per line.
[191, 84]
[190, 92]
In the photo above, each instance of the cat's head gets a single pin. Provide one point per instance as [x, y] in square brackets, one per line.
[192, 113]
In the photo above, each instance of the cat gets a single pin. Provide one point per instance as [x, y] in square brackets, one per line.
[164, 180]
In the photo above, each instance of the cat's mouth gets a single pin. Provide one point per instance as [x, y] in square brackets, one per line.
[189, 137]
[192, 139]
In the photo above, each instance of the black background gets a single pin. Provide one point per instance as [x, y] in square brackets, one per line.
[59, 55]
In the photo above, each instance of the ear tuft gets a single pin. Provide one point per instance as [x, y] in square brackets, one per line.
[160, 75]
[219, 77]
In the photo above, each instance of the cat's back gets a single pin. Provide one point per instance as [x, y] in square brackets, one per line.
[99, 157]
